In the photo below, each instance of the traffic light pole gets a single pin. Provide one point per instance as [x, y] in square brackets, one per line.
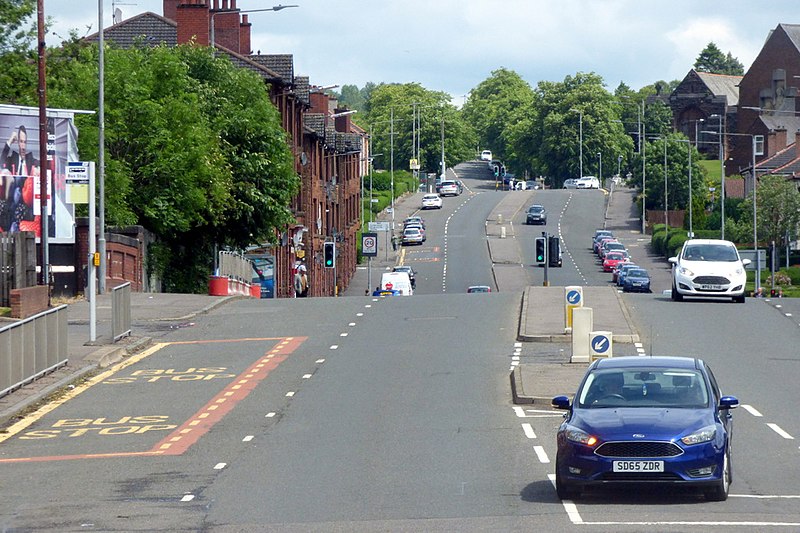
[546, 282]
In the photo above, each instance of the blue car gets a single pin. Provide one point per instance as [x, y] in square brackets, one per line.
[636, 280]
[646, 420]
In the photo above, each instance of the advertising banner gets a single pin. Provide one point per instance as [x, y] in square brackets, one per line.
[21, 170]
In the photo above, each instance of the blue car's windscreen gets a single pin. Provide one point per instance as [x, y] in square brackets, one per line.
[660, 387]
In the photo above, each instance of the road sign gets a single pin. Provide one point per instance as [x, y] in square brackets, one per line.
[600, 344]
[413, 164]
[369, 244]
[378, 226]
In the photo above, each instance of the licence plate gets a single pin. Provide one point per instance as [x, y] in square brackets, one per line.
[711, 287]
[638, 466]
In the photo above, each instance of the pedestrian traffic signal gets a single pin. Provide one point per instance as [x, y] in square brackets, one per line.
[329, 253]
[541, 243]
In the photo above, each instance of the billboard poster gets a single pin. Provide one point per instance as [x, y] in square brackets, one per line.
[21, 170]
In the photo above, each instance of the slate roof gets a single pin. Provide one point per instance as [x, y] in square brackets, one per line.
[793, 32]
[145, 28]
[722, 85]
[153, 30]
[281, 64]
[784, 163]
[302, 89]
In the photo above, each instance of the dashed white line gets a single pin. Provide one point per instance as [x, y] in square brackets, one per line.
[519, 411]
[777, 429]
[752, 410]
[220, 466]
[289, 394]
[306, 376]
[343, 334]
[269, 415]
[541, 454]
[319, 361]
[528, 429]
[334, 347]
[248, 438]
[351, 324]
[187, 497]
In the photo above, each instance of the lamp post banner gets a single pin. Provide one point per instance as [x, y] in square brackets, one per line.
[20, 171]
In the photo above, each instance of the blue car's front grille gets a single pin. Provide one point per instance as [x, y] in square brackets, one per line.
[626, 449]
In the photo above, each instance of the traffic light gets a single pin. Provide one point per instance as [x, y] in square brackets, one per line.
[553, 251]
[540, 250]
[329, 253]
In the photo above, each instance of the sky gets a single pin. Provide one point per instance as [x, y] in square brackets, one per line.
[453, 45]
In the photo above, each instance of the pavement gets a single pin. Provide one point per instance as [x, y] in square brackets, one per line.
[155, 314]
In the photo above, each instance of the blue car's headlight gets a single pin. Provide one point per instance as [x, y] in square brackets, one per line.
[706, 434]
[574, 434]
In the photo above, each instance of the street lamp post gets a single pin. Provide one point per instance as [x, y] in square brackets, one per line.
[580, 139]
[600, 170]
[273, 8]
[619, 165]
[755, 186]
[722, 177]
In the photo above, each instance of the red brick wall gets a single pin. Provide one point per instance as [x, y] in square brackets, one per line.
[29, 301]
[193, 22]
[226, 29]
[244, 36]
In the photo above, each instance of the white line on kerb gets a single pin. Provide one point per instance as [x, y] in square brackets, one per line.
[776, 428]
[752, 410]
[528, 429]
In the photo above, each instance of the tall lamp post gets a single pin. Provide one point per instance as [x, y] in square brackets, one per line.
[722, 176]
[580, 139]
[273, 8]
[600, 170]
[755, 186]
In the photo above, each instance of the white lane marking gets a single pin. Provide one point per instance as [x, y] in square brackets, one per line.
[519, 411]
[638, 344]
[369, 305]
[528, 429]
[334, 347]
[569, 507]
[269, 415]
[289, 394]
[306, 376]
[777, 429]
[752, 410]
[351, 324]
[343, 334]
[220, 466]
[359, 314]
[248, 438]
[541, 454]
[513, 364]
[515, 358]
[687, 523]
[187, 498]
[788, 314]
[517, 345]
[767, 496]
[319, 361]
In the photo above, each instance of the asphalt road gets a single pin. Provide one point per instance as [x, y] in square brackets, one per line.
[393, 414]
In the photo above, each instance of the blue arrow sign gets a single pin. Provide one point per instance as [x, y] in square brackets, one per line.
[601, 344]
[573, 297]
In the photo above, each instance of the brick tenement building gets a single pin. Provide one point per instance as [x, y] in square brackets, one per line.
[770, 86]
[329, 153]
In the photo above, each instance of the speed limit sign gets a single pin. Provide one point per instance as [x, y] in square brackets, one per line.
[369, 244]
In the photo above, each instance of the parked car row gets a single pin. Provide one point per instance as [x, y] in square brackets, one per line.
[616, 259]
[413, 231]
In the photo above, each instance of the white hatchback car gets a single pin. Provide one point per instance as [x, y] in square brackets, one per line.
[588, 182]
[431, 201]
[708, 268]
[486, 155]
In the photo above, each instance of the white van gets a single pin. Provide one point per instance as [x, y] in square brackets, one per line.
[486, 155]
[397, 281]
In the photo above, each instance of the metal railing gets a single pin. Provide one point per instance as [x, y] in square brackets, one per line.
[235, 266]
[121, 311]
[32, 347]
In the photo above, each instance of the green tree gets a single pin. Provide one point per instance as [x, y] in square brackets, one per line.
[195, 151]
[546, 133]
[778, 209]
[399, 101]
[494, 106]
[712, 60]
[18, 56]
[676, 193]
[352, 98]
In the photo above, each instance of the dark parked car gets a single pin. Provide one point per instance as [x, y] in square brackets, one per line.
[536, 214]
[646, 420]
[636, 280]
